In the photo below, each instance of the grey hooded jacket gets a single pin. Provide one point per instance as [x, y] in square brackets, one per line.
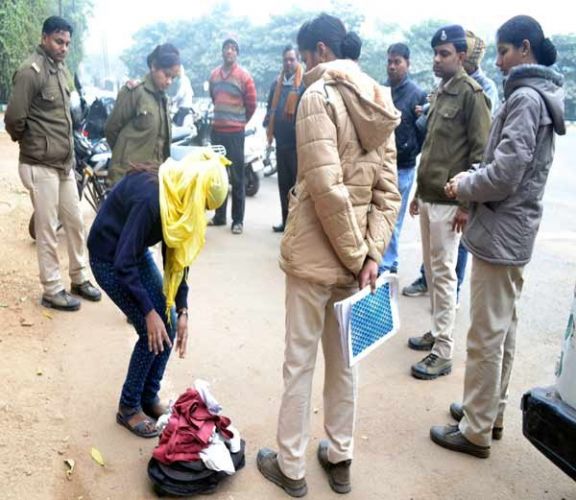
[506, 190]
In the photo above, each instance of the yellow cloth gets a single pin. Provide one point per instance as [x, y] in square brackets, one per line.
[187, 188]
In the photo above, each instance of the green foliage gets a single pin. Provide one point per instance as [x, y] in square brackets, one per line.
[20, 31]
[261, 45]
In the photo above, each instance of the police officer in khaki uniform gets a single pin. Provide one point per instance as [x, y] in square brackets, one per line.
[458, 126]
[38, 117]
[138, 130]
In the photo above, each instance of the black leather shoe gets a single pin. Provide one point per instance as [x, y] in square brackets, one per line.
[62, 301]
[422, 343]
[278, 229]
[87, 291]
[267, 462]
[450, 437]
[458, 413]
[338, 474]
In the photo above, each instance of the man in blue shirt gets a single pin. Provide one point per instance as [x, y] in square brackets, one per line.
[406, 96]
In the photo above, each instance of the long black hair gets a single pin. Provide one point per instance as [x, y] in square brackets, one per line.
[164, 56]
[520, 28]
[331, 31]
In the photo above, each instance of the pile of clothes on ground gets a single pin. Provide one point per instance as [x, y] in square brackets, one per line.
[198, 447]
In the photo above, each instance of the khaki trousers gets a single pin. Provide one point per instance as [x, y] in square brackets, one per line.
[440, 252]
[55, 199]
[490, 351]
[310, 318]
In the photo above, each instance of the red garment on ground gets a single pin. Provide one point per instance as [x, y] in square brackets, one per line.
[189, 430]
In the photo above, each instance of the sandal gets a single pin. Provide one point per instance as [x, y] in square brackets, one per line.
[144, 429]
[155, 410]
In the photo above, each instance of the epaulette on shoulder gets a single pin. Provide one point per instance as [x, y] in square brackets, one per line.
[35, 66]
[132, 85]
[476, 87]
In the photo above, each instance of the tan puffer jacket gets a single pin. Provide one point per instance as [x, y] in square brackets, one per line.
[344, 205]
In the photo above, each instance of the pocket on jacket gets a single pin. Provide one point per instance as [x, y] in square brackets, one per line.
[50, 97]
[143, 119]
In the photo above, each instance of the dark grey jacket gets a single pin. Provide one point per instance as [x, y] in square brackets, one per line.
[507, 188]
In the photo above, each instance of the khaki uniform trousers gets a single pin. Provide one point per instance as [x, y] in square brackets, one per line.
[440, 253]
[55, 199]
[310, 319]
[491, 344]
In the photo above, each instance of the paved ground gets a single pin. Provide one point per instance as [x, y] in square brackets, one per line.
[62, 374]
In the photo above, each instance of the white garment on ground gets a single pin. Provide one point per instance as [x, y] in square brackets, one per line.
[217, 456]
[210, 401]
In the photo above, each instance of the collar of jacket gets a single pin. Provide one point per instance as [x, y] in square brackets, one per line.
[53, 66]
[451, 87]
[402, 83]
[150, 87]
[547, 82]
[531, 71]
[369, 105]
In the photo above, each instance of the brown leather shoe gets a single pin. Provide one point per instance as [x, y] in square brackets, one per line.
[267, 462]
[338, 474]
[450, 437]
[458, 413]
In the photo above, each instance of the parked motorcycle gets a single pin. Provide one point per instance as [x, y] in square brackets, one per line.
[270, 166]
[253, 161]
[93, 122]
[90, 171]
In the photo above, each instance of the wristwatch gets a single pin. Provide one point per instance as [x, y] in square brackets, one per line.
[182, 312]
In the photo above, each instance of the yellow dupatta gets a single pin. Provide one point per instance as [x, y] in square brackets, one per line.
[187, 188]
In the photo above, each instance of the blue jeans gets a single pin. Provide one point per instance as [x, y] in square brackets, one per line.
[146, 369]
[460, 267]
[405, 181]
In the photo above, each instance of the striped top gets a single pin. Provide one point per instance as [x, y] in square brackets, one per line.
[234, 98]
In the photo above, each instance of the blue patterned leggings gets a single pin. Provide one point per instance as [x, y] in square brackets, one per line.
[146, 369]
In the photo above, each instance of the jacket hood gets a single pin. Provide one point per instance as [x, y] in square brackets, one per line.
[369, 105]
[547, 82]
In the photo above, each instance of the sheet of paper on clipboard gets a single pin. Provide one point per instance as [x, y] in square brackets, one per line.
[368, 320]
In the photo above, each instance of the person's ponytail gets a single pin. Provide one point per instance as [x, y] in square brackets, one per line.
[351, 46]
[547, 53]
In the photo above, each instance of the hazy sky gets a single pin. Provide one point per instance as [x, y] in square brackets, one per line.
[116, 20]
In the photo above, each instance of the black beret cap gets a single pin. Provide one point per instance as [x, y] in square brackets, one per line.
[454, 34]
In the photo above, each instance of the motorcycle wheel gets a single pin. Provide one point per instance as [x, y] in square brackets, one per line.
[252, 182]
[94, 193]
[32, 227]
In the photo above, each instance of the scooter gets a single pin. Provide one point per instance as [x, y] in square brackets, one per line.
[184, 141]
[253, 162]
[270, 166]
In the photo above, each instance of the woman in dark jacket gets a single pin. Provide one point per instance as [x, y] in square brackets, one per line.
[138, 129]
[148, 206]
[506, 209]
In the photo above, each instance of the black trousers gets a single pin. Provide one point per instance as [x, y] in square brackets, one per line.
[234, 144]
[287, 169]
